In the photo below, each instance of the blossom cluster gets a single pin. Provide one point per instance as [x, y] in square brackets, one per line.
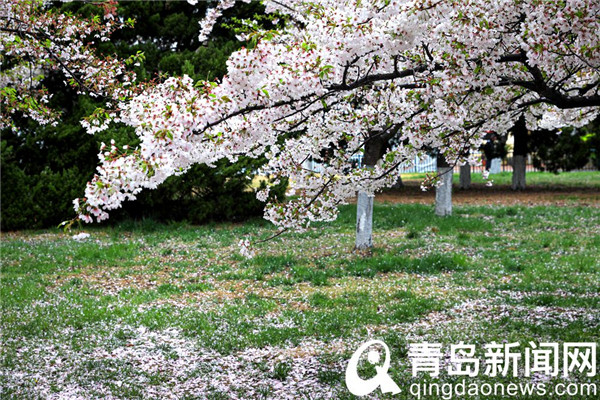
[36, 41]
[425, 74]
[392, 79]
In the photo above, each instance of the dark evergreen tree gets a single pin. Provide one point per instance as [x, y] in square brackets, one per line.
[565, 150]
[45, 167]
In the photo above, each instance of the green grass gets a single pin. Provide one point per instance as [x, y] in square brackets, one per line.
[175, 308]
[583, 179]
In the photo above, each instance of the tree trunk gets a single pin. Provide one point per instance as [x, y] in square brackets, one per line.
[496, 166]
[443, 193]
[375, 147]
[518, 175]
[465, 176]
[364, 221]
[519, 132]
[399, 184]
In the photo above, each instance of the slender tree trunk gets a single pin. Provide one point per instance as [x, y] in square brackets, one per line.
[519, 172]
[374, 150]
[364, 221]
[443, 193]
[465, 176]
[520, 151]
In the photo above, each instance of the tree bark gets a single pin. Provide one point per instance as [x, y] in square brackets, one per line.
[520, 151]
[443, 193]
[375, 147]
[364, 221]
[399, 184]
[519, 172]
[465, 177]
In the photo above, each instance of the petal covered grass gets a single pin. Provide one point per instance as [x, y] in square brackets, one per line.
[144, 310]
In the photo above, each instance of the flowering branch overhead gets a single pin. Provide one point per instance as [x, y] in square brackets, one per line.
[37, 41]
[428, 73]
[439, 72]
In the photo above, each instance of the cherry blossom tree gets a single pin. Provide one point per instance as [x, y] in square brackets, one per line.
[343, 78]
[386, 78]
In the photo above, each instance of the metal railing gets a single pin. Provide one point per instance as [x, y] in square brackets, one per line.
[428, 164]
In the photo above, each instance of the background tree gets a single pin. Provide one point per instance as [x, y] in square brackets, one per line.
[465, 177]
[430, 74]
[49, 70]
[564, 150]
[592, 139]
[44, 165]
[520, 151]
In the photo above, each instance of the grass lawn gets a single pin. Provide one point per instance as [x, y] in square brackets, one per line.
[144, 310]
[581, 179]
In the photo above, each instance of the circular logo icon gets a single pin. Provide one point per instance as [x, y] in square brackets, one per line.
[362, 387]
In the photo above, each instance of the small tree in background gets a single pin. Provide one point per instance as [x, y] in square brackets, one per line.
[520, 151]
[563, 150]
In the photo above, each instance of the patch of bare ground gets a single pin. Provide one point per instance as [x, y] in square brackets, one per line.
[479, 194]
